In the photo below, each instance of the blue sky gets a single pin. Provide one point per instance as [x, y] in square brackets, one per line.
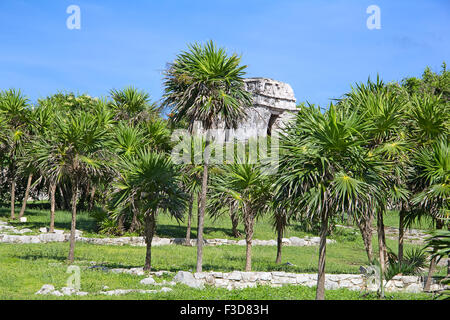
[319, 47]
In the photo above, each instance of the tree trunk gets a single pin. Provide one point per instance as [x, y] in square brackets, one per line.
[432, 269]
[64, 197]
[249, 222]
[365, 227]
[25, 199]
[320, 293]
[120, 224]
[189, 221]
[13, 198]
[92, 198]
[234, 221]
[134, 222]
[279, 242]
[382, 249]
[74, 220]
[149, 233]
[381, 240]
[52, 207]
[201, 216]
[401, 234]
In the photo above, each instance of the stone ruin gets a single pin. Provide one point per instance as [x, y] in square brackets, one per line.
[274, 104]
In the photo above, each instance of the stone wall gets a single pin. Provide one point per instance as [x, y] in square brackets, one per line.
[10, 234]
[240, 280]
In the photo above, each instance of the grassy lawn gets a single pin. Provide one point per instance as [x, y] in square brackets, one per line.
[25, 268]
[391, 219]
[167, 227]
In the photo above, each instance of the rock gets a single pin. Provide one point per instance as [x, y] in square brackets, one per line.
[264, 276]
[25, 231]
[148, 281]
[435, 287]
[165, 289]
[57, 293]
[295, 241]
[68, 291]
[199, 275]
[414, 288]
[43, 230]
[188, 279]
[51, 237]
[331, 285]
[235, 275]
[23, 219]
[46, 289]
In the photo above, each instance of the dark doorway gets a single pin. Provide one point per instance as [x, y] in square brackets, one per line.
[273, 118]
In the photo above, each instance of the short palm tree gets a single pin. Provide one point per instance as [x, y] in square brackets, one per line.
[153, 183]
[383, 109]
[324, 170]
[75, 149]
[243, 185]
[14, 107]
[132, 105]
[205, 84]
[432, 186]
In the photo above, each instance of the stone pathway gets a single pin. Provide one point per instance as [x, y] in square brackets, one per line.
[18, 237]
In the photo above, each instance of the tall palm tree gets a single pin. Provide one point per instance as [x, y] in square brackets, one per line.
[205, 84]
[325, 170]
[153, 183]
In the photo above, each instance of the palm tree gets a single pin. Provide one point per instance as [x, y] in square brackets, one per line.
[14, 107]
[280, 219]
[432, 186]
[152, 182]
[205, 84]
[325, 170]
[243, 185]
[383, 108]
[75, 149]
[132, 105]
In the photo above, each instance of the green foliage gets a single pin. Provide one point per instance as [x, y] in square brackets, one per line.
[205, 84]
[413, 262]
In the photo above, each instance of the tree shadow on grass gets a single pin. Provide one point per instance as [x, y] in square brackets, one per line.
[179, 231]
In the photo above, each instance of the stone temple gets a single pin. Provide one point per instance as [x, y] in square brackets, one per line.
[274, 104]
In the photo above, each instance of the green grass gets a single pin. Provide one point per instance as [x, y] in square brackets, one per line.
[391, 219]
[25, 268]
[167, 227]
